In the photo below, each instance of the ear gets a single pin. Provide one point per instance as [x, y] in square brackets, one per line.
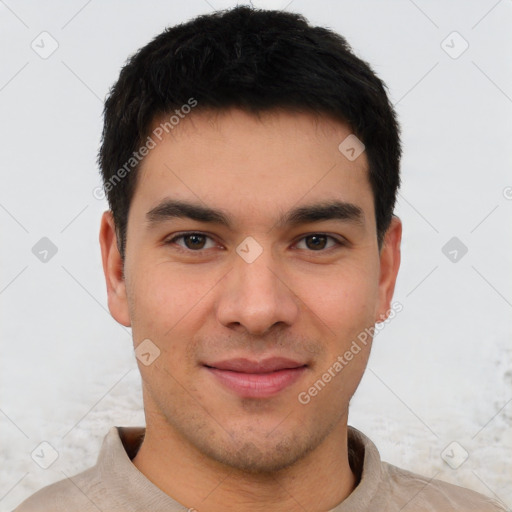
[389, 265]
[113, 270]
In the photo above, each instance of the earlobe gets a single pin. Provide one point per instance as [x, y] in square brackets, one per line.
[113, 270]
[389, 266]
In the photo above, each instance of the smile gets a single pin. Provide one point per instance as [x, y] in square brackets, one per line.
[250, 379]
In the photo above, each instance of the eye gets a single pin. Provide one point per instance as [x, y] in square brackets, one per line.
[317, 241]
[194, 242]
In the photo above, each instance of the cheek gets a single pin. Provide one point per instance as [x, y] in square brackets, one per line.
[343, 299]
[165, 295]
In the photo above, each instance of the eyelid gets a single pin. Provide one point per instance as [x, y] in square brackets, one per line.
[340, 241]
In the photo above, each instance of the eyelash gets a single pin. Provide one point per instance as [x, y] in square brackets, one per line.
[339, 243]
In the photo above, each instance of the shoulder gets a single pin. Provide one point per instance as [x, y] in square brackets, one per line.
[421, 493]
[72, 493]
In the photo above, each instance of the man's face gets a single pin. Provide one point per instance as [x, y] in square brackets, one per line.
[248, 316]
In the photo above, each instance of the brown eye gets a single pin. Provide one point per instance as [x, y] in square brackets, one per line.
[318, 242]
[193, 242]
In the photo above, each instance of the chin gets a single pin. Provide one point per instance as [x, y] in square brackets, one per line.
[261, 455]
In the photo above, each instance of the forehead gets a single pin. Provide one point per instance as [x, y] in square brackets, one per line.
[252, 166]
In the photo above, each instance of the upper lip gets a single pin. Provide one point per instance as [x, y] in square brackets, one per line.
[242, 365]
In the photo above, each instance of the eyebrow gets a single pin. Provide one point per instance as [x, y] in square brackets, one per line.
[169, 209]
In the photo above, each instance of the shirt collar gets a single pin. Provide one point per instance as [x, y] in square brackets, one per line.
[364, 459]
[127, 484]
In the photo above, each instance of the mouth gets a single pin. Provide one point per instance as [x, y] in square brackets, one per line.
[257, 379]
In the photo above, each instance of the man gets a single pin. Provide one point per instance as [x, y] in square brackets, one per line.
[251, 164]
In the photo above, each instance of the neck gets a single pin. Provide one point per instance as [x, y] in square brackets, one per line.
[198, 482]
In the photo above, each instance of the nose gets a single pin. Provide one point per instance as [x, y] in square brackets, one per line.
[257, 296]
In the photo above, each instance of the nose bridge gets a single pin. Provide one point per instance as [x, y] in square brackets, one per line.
[255, 294]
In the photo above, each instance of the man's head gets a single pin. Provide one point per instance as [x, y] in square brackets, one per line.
[255, 60]
[292, 250]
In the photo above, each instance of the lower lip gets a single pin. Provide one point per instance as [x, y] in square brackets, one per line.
[258, 385]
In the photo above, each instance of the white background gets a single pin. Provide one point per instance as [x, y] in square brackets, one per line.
[439, 372]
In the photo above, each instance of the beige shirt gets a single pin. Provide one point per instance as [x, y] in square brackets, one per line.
[114, 484]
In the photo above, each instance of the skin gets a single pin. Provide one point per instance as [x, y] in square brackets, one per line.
[206, 446]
